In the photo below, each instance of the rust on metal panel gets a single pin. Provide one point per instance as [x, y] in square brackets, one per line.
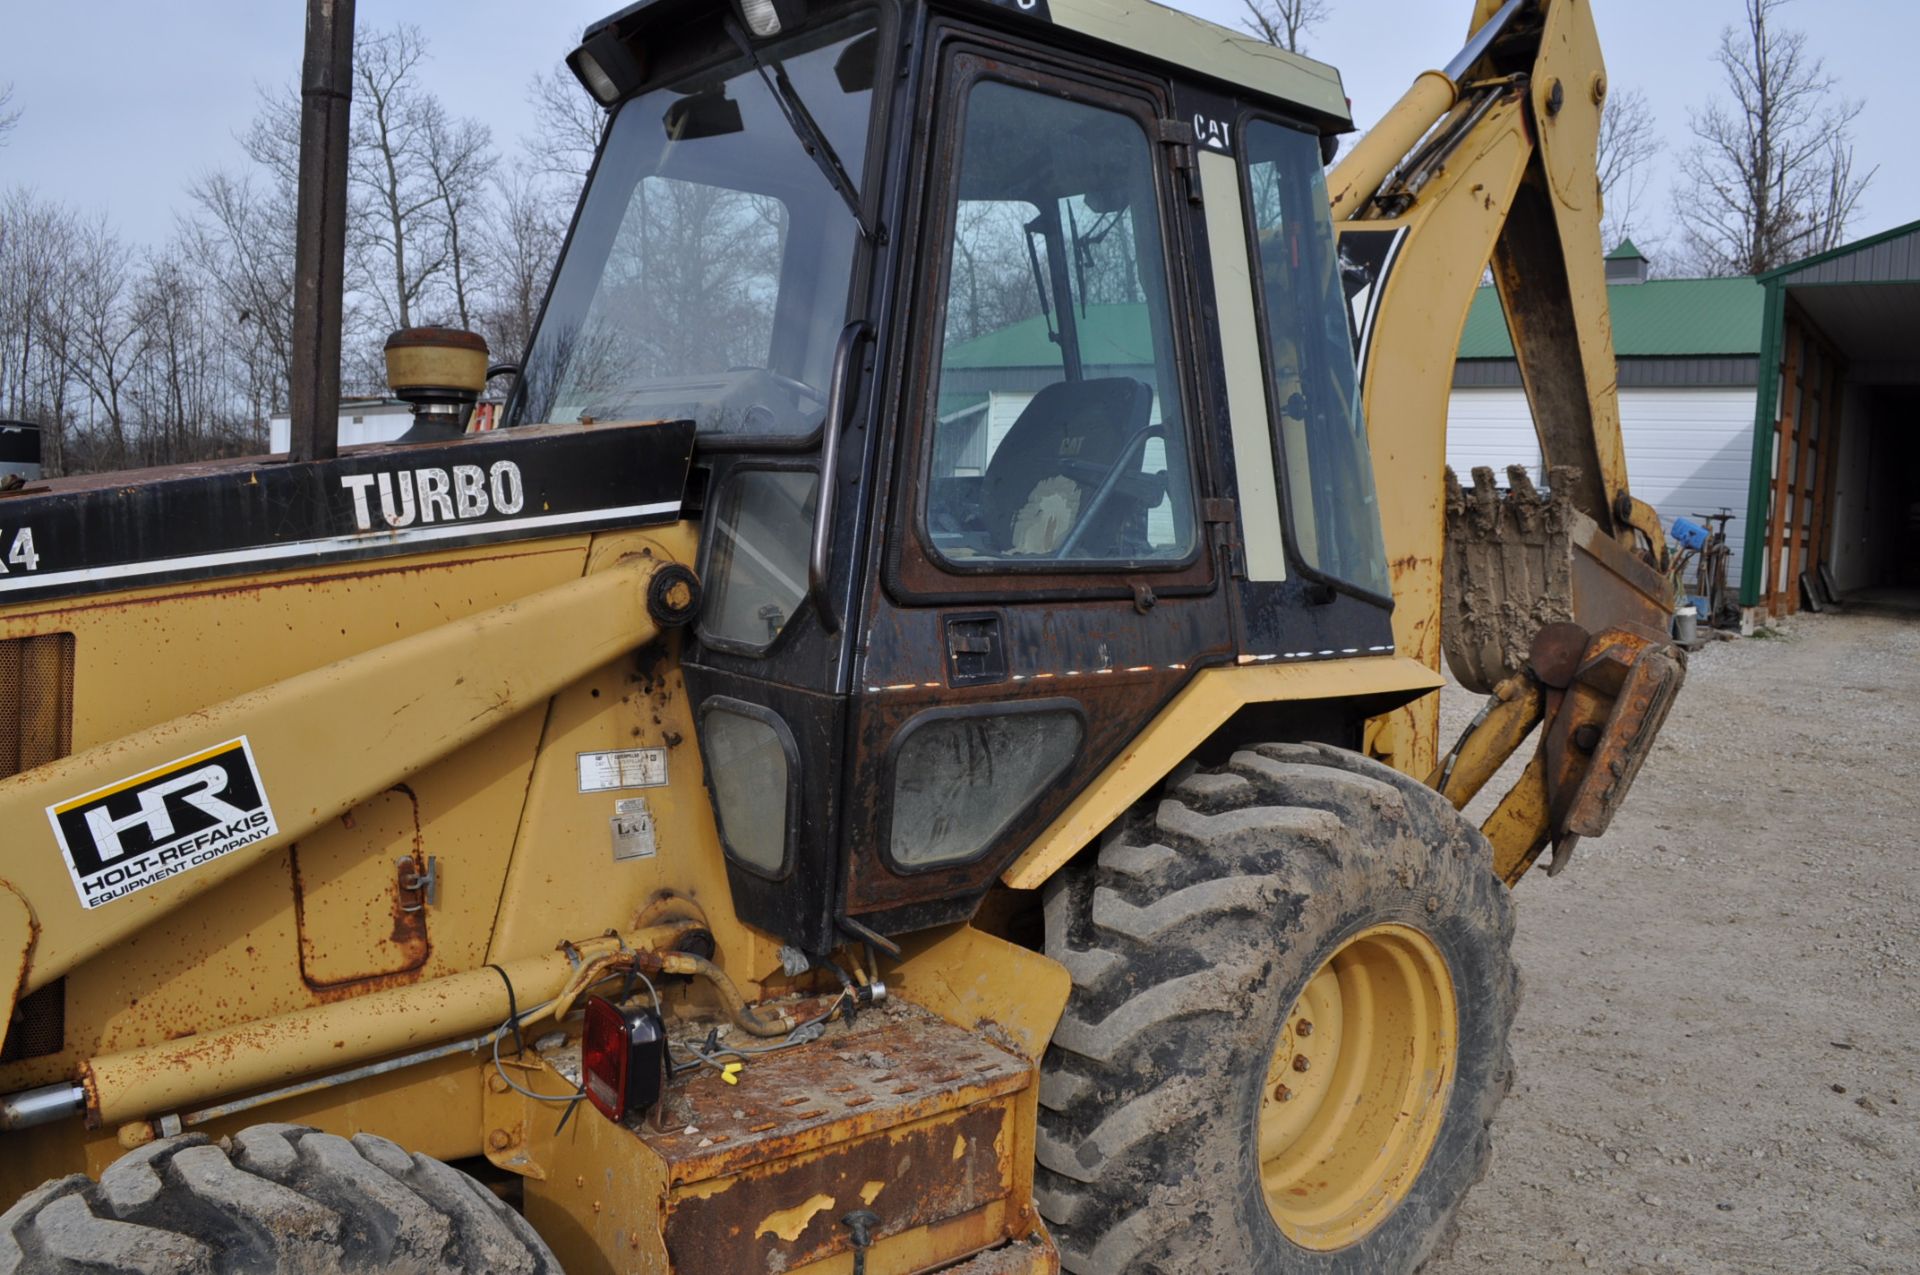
[357, 931]
[1614, 587]
[786, 1213]
[902, 1113]
[1639, 681]
[896, 1065]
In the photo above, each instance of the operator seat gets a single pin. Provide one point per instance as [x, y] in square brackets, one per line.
[1048, 467]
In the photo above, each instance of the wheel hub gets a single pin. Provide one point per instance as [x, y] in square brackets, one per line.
[1357, 1087]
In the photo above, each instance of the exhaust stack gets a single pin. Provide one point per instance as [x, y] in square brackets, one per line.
[320, 249]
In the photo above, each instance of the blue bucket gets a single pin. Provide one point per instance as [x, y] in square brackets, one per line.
[1689, 534]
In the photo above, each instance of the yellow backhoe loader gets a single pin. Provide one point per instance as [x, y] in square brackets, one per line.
[914, 748]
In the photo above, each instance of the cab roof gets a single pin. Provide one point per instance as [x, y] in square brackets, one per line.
[1195, 44]
[1171, 37]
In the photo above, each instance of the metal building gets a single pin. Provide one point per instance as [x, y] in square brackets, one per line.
[1834, 503]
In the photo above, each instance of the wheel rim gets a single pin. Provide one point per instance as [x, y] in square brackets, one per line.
[1344, 1136]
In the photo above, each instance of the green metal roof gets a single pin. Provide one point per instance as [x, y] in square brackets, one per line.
[1626, 252]
[1110, 336]
[1845, 250]
[1662, 318]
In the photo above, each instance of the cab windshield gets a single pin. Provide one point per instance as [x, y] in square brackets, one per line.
[708, 274]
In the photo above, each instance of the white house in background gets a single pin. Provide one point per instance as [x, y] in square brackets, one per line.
[376, 420]
[362, 420]
[1689, 353]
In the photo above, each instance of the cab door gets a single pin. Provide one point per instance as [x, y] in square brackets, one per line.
[1045, 575]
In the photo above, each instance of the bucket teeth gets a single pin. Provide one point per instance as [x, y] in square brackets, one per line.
[1519, 483]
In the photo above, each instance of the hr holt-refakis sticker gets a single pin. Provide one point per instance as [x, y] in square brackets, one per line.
[174, 818]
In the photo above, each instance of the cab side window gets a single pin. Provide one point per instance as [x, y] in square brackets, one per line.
[1314, 388]
[1058, 438]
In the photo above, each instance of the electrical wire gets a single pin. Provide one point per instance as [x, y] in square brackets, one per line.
[501, 1071]
[802, 1034]
[536, 1011]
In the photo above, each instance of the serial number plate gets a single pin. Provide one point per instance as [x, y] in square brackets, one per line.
[628, 768]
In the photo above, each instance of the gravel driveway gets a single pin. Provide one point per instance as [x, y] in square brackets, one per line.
[1719, 1040]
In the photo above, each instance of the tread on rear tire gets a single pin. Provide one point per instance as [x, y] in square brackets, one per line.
[1189, 937]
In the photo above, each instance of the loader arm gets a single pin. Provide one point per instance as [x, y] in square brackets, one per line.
[450, 684]
[1556, 603]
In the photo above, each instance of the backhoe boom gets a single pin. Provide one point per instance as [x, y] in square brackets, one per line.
[1491, 164]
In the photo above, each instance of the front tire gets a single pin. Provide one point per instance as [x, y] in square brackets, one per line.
[278, 1197]
[1198, 939]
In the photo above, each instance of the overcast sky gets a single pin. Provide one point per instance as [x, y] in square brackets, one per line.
[123, 100]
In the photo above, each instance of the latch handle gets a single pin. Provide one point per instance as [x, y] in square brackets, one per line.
[862, 1222]
[425, 884]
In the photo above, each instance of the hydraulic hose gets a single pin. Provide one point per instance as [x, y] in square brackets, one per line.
[736, 1006]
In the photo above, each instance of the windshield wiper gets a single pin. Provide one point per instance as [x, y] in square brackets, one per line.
[801, 121]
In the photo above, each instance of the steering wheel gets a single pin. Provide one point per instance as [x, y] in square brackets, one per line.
[1104, 489]
[799, 387]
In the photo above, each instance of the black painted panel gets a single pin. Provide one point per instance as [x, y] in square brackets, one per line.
[124, 531]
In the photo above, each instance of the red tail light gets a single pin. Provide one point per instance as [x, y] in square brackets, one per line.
[623, 1054]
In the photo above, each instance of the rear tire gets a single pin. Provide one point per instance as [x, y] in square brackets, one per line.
[276, 1197]
[1190, 939]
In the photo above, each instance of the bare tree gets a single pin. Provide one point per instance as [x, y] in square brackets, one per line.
[518, 244]
[567, 125]
[460, 160]
[1772, 175]
[1629, 140]
[272, 139]
[107, 327]
[1834, 207]
[1285, 23]
[240, 243]
[36, 317]
[399, 254]
[182, 390]
[183, 352]
[9, 114]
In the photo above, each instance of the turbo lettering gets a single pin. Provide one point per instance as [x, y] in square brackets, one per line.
[469, 491]
[425, 495]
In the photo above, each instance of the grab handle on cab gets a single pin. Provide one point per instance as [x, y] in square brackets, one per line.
[839, 388]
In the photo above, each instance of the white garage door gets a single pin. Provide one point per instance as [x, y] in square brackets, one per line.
[1491, 428]
[1688, 451]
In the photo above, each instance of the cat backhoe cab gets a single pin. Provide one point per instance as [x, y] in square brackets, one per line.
[914, 748]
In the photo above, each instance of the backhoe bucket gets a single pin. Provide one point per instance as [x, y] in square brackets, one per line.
[1509, 572]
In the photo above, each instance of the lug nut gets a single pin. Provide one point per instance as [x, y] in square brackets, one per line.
[1282, 1094]
[1301, 1062]
[1305, 1027]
